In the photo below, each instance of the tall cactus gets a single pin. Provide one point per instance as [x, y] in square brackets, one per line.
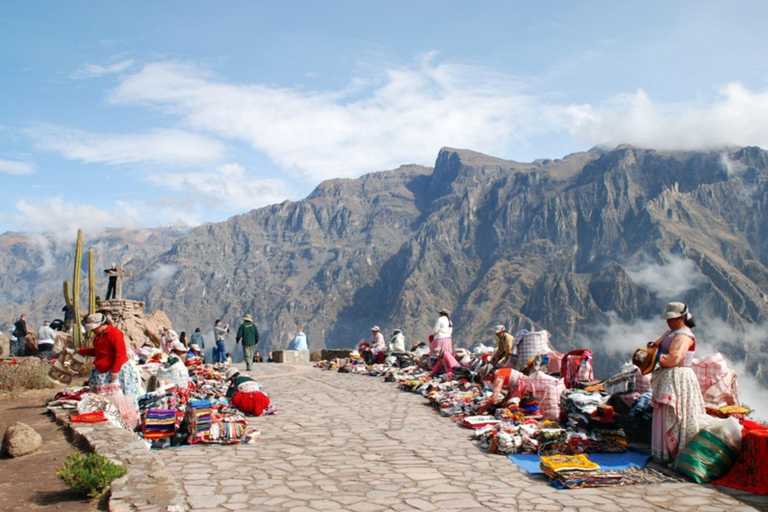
[91, 284]
[67, 296]
[77, 335]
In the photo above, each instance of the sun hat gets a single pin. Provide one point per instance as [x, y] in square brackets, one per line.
[645, 359]
[500, 328]
[232, 373]
[675, 310]
[444, 312]
[375, 328]
[248, 318]
[94, 320]
[179, 347]
[195, 347]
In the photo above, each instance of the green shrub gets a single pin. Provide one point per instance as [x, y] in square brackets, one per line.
[25, 374]
[89, 474]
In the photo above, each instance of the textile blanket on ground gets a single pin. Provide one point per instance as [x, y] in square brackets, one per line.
[614, 478]
[632, 458]
[251, 403]
[750, 472]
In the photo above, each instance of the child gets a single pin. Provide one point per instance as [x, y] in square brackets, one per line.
[229, 359]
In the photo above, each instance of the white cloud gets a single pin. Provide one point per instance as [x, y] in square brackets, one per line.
[162, 275]
[15, 167]
[228, 187]
[62, 219]
[94, 70]
[735, 117]
[670, 280]
[618, 337]
[159, 146]
[319, 135]
[405, 115]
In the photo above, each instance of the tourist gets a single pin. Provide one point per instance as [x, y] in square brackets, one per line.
[299, 341]
[183, 339]
[197, 339]
[45, 338]
[503, 378]
[269, 358]
[69, 316]
[257, 357]
[112, 282]
[503, 355]
[220, 350]
[19, 336]
[110, 360]
[441, 333]
[677, 399]
[175, 371]
[249, 333]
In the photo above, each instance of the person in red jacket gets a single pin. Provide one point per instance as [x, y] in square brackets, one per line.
[110, 359]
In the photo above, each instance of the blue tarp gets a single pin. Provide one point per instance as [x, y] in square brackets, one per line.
[529, 462]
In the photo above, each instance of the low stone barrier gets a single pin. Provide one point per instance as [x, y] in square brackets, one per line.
[147, 486]
[290, 356]
[334, 353]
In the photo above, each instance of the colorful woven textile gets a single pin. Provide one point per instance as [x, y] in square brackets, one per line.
[160, 423]
[553, 464]
[577, 367]
[750, 472]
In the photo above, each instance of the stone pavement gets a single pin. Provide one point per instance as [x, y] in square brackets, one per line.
[351, 442]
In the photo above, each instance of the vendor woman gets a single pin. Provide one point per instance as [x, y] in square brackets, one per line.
[677, 399]
[110, 360]
[509, 379]
[244, 393]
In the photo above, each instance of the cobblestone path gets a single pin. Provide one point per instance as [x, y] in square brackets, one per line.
[350, 442]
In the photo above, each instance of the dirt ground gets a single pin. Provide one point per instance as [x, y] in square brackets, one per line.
[29, 482]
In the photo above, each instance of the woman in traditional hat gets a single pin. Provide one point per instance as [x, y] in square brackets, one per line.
[110, 359]
[441, 333]
[677, 399]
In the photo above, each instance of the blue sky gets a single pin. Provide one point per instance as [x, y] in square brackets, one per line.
[155, 113]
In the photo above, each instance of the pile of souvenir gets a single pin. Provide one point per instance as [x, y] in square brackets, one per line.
[169, 414]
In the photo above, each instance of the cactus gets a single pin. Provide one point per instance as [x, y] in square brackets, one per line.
[77, 335]
[91, 284]
[67, 296]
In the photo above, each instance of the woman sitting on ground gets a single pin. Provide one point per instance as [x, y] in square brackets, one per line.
[175, 371]
[445, 363]
[245, 393]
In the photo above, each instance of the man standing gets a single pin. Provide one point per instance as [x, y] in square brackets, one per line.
[502, 357]
[20, 333]
[220, 350]
[112, 283]
[250, 336]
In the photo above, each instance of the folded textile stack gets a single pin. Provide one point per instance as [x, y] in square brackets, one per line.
[160, 423]
[198, 417]
[555, 466]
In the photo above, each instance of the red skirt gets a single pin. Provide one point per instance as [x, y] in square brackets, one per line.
[251, 403]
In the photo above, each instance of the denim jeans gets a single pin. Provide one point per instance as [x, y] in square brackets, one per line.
[220, 352]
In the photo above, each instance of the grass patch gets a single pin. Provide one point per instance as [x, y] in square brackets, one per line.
[89, 474]
[24, 374]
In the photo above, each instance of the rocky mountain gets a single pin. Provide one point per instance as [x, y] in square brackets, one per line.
[589, 247]
[34, 266]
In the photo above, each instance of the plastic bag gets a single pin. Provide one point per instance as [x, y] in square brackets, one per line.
[124, 403]
[728, 430]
